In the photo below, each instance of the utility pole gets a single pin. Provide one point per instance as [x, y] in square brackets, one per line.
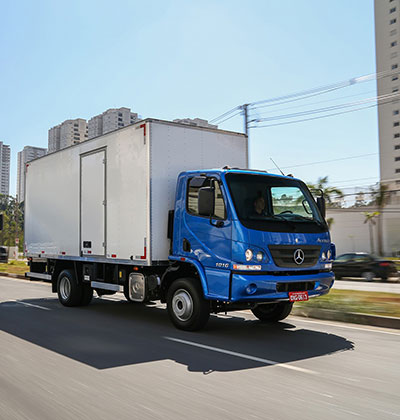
[245, 112]
[246, 118]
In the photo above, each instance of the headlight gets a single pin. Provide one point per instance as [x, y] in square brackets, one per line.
[248, 254]
[259, 256]
[329, 254]
[323, 256]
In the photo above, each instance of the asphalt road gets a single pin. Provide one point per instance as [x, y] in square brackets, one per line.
[116, 360]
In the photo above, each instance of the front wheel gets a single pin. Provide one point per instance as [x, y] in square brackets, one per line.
[368, 275]
[187, 308]
[273, 312]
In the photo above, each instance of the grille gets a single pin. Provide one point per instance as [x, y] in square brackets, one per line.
[300, 286]
[283, 255]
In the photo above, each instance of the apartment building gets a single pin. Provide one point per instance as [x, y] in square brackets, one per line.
[387, 43]
[24, 156]
[110, 120]
[5, 153]
[197, 122]
[387, 39]
[67, 133]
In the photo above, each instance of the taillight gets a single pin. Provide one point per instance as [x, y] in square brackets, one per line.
[384, 264]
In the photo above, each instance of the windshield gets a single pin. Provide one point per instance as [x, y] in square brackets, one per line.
[274, 204]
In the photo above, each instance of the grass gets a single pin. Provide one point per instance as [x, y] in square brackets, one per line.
[15, 267]
[372, 303]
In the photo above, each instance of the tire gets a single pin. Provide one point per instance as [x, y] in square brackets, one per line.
[126, 293]
[87, 294]
[368, 275]
[273, 312]
[187, 308]
[70, 292]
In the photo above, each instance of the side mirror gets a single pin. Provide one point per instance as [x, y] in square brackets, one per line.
[322, 206]
[206, 201]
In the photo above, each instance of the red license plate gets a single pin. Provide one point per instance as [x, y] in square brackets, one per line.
[298, 296]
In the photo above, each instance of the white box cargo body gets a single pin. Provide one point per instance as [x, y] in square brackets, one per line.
[107, 199]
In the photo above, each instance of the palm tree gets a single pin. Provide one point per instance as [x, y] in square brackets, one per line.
[370, 219]
[329, 192]
[380, 197]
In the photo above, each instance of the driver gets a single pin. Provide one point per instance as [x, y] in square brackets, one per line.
[259, 204]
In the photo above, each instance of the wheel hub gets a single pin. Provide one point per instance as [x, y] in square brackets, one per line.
[65, 288]
[182, 305]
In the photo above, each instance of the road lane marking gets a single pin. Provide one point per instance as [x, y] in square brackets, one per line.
[241, 355]
[31, 304]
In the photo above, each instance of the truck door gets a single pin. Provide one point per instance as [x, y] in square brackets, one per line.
[208, 239]
[93, 203]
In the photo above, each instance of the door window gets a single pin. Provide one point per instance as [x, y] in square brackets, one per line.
[194, 184]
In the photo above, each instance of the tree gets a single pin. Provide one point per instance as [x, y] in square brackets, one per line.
[360, 200]
[330, 193]
[330, 221]
[379, 197]
[13, 221]
[370, 219]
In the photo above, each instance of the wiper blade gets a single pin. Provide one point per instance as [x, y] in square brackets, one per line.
[306, 219]
[281, 218]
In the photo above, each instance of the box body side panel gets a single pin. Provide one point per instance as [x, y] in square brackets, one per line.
[127, 188]
[52, 205]
[53, 200]
[174, 149]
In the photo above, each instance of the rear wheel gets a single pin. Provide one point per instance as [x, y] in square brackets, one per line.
[87, 294]
[70, 292]
[273, 312]
[187, 308]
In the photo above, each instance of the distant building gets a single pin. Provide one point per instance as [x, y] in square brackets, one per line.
[24, 156]
[110, 120]
[196, 122]
[387, 43]
[66, 134]
[5, 153]
[387, 39]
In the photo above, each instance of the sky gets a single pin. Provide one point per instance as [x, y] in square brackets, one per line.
[186, 59]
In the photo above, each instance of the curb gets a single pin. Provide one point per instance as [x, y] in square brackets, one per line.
[352, 317]
[15, 276]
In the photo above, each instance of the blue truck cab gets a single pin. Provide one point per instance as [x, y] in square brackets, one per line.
[245, 239]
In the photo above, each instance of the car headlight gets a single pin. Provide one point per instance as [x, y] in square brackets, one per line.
[248, 254]
[329, 254]
[259, 256]
[323, 256]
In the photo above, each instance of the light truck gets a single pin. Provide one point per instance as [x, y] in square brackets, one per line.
[141, 210]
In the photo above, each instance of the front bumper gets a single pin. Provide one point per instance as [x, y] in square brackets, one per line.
[247, 287]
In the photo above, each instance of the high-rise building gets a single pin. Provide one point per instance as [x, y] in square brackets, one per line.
[4, 168]
[387, 39]
[196, 122]
[387, 43]
[68, 133]
[110, 120]
[24, 156]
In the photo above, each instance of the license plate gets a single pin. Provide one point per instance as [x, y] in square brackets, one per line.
[298, 296]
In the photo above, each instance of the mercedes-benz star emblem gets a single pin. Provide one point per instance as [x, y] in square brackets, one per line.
[298, 256]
